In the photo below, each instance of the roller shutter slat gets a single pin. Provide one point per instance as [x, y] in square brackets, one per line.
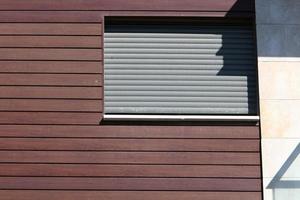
[179, 61]
[179, 35]
[178, 40]
[179, 69]
[171, 72]
[177, 77]
[163, 110]
[174, 88]
[178, 99]
[178, 93]
[176, 51]
[202, 84]
[177, 56]
[175, 45]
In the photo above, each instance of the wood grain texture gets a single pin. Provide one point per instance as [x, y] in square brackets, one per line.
[50, 54]
[170, 158]
[51, 41]
[41, 67]
[46, 92]
[51, 16]
[49, 118]
[84, 170]
[123, 131]
[130, 144]
[126, 195]
[50, 29]
[144, 184]
[51, 79]
[161, 5]
[50, 105]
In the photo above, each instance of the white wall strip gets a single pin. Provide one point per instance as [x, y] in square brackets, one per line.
[181, 117]
[279, 59]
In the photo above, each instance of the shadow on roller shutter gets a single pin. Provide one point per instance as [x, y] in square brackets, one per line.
[179, 68]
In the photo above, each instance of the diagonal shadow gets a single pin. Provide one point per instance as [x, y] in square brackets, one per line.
[277, 182]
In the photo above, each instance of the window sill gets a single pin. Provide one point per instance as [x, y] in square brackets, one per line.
[119, 117]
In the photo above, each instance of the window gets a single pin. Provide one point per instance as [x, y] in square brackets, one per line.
[179, 67]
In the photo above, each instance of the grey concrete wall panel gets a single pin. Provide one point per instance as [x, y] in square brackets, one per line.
[278, 24]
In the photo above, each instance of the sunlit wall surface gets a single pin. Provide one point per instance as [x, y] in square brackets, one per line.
[278, 35]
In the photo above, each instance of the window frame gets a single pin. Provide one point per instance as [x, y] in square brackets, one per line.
[179, 117]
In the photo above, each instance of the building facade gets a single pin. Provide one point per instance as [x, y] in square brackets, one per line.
[278, 64]
[112, 99]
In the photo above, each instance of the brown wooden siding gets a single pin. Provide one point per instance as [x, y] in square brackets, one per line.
[132, 195]
[52, 145]
[121, 5]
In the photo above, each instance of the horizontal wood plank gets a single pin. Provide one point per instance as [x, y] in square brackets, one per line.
[123, 131]
[161, 5]
[125, 195]
[85, 170]
[51, 16]
[50, 67]
[45, 92]
[50, 54]
[51, 79]
[50, 105]
[50, 29]
[96, 16]
[51, 41]
[145, 184]
[179, 158]
[129, 144]
[50, 118]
